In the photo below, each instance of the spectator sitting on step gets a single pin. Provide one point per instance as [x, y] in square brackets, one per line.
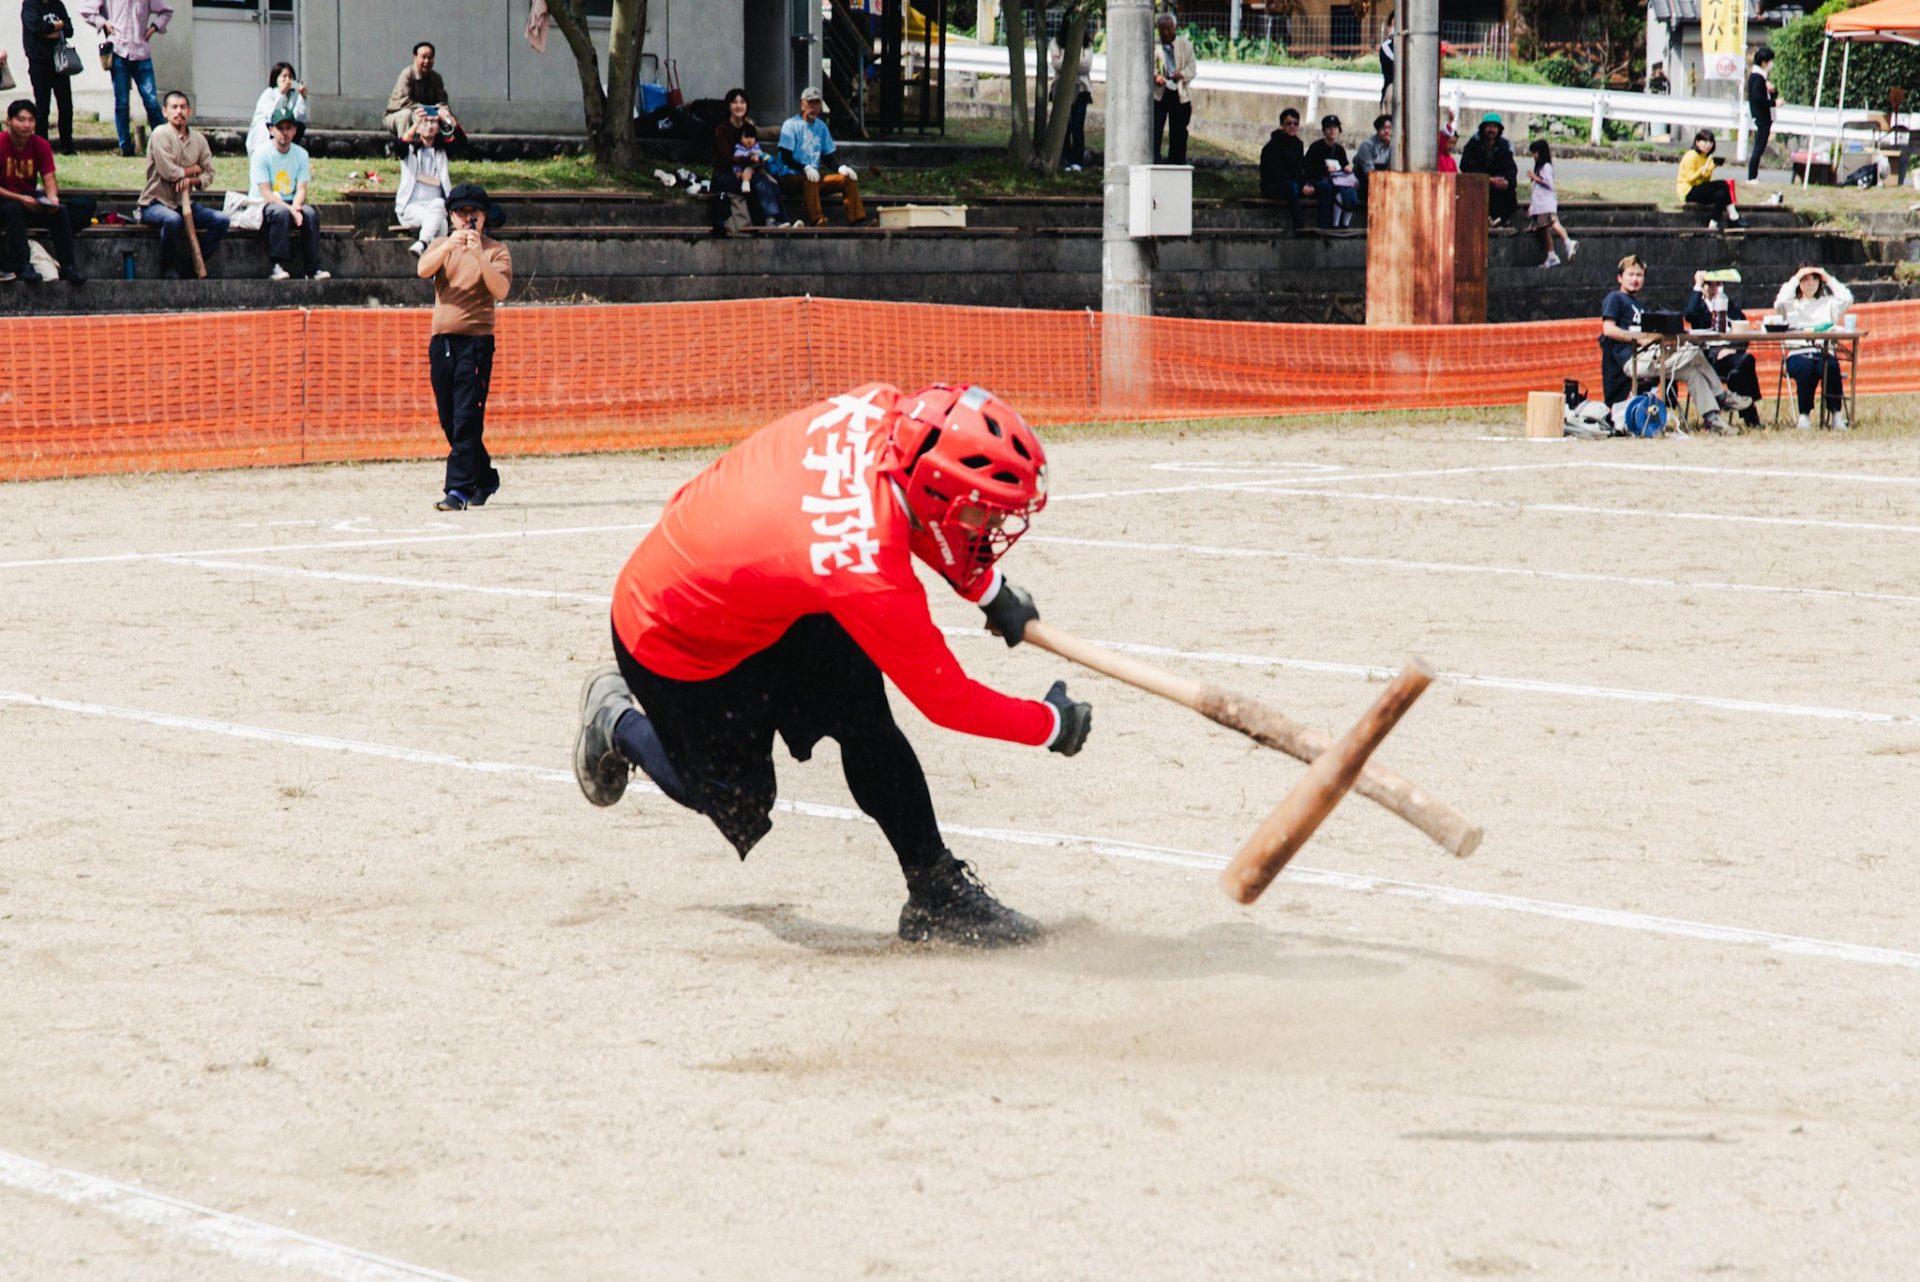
[1488, 152]
[740, 169]
[44, 25]
[805, 145]
[1696, 185]
[130, 26]
[1711, 307]
[178, 162]
[284, 91]
[1281, 166]
[1812, 300]
[1628, 356]
[1375, 152]
[419, 86]
[421, 198]
[26, 159]
[1329, 177]
[280, 177]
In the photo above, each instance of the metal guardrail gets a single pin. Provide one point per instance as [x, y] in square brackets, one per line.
[1728, 115]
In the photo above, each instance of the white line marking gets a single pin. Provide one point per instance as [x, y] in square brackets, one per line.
[1527, 506]
[1205, 467]
[387, 580]
[230, 1235]
[1258, 486]
[1528, 685]
[1463, 567]
[1621, 919]
[1777, 473]
[337, 545]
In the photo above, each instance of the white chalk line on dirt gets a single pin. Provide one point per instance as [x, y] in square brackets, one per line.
[1454, 897]
[1683, 469]
[1526, 685]
[1468, 567]
[230, 1235]
[1244, 483]
[1525, 506]
[335, 545]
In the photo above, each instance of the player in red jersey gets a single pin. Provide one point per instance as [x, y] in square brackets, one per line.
[776, 589]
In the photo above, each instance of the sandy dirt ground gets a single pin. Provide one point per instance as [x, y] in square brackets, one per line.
[303, 920]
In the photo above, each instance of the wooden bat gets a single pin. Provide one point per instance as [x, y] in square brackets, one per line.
[1453, 831]
[1280, 836]
[193, 234]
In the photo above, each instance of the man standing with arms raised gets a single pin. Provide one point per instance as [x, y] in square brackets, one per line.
[470, 275]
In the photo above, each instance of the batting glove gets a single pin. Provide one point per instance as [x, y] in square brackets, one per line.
[846, 171]
[1075, 720]
[1009, 613]
[813, 175]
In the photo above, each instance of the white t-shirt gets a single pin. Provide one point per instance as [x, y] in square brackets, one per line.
[1544, 199]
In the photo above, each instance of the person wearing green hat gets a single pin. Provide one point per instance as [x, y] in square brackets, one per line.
[280, 173]
[1488, 152]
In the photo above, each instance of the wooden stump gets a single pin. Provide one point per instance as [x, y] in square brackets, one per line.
[1546, 414]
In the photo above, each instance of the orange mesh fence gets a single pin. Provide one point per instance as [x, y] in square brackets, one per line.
[140, 393]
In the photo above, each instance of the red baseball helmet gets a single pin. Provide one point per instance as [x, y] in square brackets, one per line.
[974, 475]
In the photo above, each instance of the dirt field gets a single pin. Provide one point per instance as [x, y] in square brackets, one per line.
[305, 929]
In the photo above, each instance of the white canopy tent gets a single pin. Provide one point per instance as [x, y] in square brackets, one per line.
[1883, 22]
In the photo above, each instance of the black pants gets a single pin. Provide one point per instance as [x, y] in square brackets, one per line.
[277, 220]
[1074, 151]
[814, 683]
[1808, 370]
[1735, 367]
[1503, 203]
[462, 369]
[1763, 130]
[1716, 195]
[16, 218]
[49, 86]
[1171, 115]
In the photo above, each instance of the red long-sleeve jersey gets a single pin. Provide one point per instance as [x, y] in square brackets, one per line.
[797, 520]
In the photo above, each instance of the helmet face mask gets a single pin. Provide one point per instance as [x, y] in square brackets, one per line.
[973, 473]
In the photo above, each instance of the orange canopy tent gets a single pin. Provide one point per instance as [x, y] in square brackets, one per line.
[1882, 22]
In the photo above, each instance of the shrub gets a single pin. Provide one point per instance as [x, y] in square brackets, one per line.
[1874, 69]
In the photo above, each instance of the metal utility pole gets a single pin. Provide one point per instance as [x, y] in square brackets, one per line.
[1126, 283]
[1420, 104]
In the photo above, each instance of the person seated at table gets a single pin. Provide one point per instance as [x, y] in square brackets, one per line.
[1628, 358]
[1711, 306]
[1696, 185]
[1812, 300]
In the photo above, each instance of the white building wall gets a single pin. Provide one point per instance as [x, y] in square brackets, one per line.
[352, 50]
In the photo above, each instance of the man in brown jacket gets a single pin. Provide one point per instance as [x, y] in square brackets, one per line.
[419, 86]
[179, 161]
[470, 274]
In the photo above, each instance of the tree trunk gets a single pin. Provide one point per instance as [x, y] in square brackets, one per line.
[608, 111]
[624, 42]
[1055, 137]
[1020, 142]
[1043, 55]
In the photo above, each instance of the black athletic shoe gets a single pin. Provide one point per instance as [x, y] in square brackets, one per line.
[949, 904]
[487, 490]
[452, 501]
[597, 764]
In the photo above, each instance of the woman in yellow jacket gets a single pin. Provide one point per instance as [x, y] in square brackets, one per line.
[1696, 184]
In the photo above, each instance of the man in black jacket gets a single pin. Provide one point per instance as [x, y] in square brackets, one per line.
[1762, 96]
[43, 25]
[1280, 166]
[1489, 153]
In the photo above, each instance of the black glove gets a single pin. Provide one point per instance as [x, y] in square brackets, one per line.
[1075, 720]
[1009, 613]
